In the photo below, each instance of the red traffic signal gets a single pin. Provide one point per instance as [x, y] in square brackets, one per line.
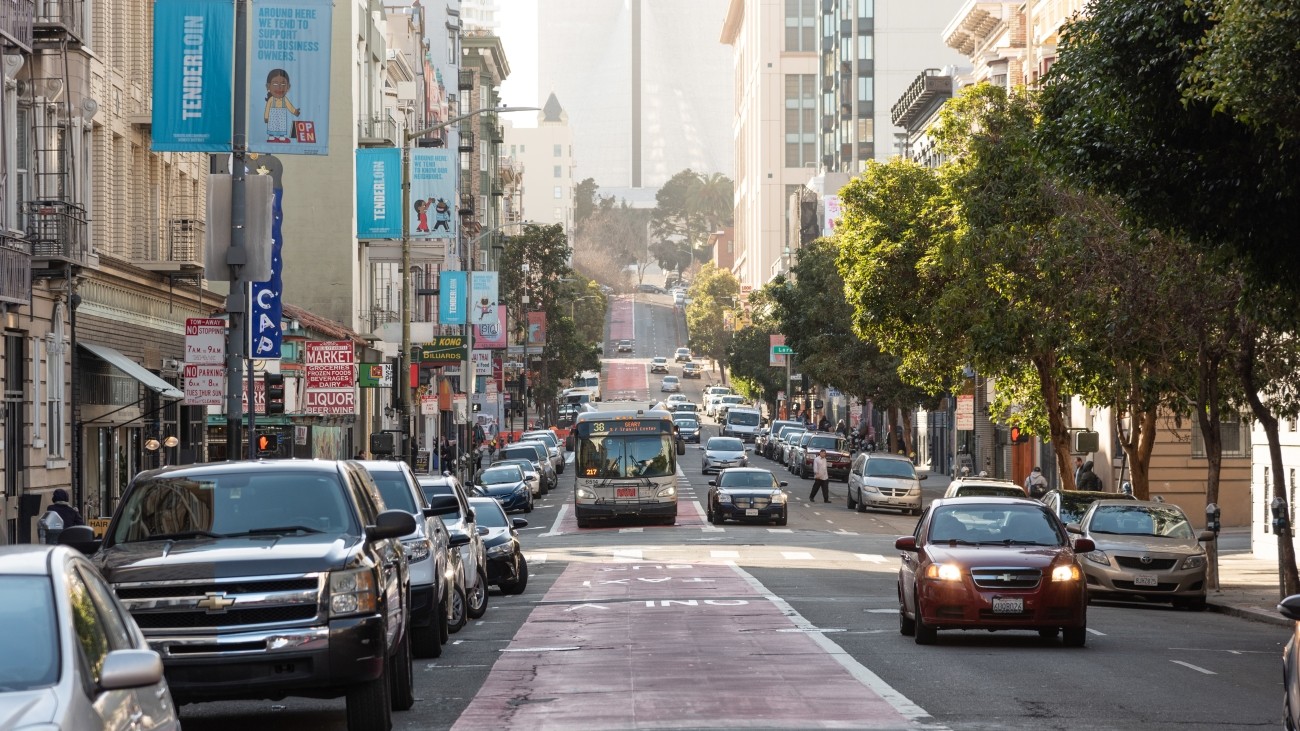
[1018, 436]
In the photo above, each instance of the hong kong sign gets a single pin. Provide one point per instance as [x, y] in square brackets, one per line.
[444, 350]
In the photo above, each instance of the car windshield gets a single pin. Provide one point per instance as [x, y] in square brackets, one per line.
[687, 423]
[527, 453]
[988, 491]
[501, 475]
[543, 436]
[790, 434]
[1075, 504]
[743, 418]
[394, 489]
[489, 513]
[523, 464]
[198, 504]
[835, 444]
[891, 468]
[987, 524]
[1140, 520]
[725, 444]
[28, 658]
[733, 399]
[659, 361]
[740, 478]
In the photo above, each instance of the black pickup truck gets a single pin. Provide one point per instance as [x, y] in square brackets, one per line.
[266, 579]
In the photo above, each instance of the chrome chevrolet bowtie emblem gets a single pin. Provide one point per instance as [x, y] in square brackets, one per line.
[1005, 577]
[215, 602]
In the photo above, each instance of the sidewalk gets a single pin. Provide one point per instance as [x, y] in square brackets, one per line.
[1249, 586]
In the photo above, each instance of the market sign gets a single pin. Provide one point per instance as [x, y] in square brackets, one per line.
[446, 349]
[330, 380]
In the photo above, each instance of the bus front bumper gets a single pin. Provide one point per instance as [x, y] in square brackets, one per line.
[587, 510]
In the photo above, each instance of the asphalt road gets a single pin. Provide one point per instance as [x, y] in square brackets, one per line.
[750, 626]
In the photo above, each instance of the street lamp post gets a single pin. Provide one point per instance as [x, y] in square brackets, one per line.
[405, 356]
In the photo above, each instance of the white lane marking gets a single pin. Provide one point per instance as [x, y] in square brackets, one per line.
[842, 532]
[797, 555]
[724, 554]
[535, 558]
[631, 553]
[882, 611]
[860, 672]
[1193, 667]
[631, 530]
[872, 557]
[828, 520]
[539, 649]
[707, 527]
[555, 527]
[780, 530]
[1095, 632]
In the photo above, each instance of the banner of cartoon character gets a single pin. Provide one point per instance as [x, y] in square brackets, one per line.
[289, 77]
[493, 335]
[483, 298]
[433, 193]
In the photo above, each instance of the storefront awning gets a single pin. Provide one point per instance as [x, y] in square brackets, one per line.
[134, 370]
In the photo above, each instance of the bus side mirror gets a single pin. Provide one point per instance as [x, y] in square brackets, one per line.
[681, 447]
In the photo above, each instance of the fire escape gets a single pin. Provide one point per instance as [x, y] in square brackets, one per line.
[15, 252]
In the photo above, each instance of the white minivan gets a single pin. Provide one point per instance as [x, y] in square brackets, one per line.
[742, 422]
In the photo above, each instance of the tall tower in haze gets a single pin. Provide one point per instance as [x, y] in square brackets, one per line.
[647, 88]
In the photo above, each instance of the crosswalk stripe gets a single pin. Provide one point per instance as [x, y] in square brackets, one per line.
[872, 557]
[797, 555]
[724, 554]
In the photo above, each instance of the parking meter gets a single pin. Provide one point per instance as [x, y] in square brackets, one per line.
[49, 527]
[1281, 521]
[1212, 517]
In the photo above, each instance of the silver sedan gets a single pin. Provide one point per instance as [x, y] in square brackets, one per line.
[723, 452]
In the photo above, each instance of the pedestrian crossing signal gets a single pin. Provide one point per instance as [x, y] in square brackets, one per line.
[268, 442]
[1018, 436]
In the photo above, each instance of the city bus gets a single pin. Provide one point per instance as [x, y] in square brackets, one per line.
[625, 466]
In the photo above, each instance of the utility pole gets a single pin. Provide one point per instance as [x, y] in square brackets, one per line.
[237, 256]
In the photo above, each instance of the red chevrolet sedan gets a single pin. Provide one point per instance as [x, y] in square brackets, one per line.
[991, 563]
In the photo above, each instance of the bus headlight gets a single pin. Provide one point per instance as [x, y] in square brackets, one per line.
[669, 491]
[585, 494]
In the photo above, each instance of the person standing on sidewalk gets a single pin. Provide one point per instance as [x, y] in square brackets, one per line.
[821, 479]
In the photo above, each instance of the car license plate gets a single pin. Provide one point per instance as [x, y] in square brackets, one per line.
[1145, 580]
[625, 492]
[1008, 604]
[751, 511]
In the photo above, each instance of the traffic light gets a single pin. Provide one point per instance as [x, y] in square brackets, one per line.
[274, 384]
[268, 442]
[1018, 436]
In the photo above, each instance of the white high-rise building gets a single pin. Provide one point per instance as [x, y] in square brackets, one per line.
[481, 15]
[546, 153]
[647, 88]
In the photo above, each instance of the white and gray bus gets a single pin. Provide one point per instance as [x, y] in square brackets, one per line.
[625, 466]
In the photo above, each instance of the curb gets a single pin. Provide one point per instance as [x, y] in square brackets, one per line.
[1253, 614]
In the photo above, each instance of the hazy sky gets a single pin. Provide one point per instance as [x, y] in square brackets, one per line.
[519, 39]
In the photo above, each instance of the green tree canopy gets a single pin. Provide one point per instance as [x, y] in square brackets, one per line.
[712, 291]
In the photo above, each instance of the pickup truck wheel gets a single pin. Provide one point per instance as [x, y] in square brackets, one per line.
[458, 618]
[444, 633]
[368, 708]
[477, 597]
[402, 689]
[518, 585]
[425, 641]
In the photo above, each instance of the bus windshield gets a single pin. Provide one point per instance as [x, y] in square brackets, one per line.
[625, 456]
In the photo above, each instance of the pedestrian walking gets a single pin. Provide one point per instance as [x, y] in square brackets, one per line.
[821, 479]
[70, 515]
[1036, 483]
[1078, 470]
[1088, 480]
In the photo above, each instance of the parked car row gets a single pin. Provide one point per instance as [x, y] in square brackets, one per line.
[333, 576]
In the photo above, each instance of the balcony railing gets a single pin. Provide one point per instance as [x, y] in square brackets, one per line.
[465, 80]
[377, 130]
[466, 143]
[57, 21]
[15, 269]
[16, 23]
[57, 230]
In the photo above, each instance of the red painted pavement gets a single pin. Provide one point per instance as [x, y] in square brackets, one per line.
[643, 645]
[626, 381]
[622, 322]
[688, 516]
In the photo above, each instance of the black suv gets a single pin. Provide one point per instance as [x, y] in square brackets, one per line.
[266, 579]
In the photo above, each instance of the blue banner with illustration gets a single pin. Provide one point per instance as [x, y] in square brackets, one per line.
[266, 310]
[433, 193]
[451, 298]
[193, 68]
[483, 299]
[289, 77]
[379, 193]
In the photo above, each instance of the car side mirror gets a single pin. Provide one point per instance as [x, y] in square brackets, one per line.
[81, 538]
[1074, 528]
[518, 523]
[124, 669]
[391, 524]
[483, 530]
[784, 483]
[905, 543]
[456, 540]
[1084, 545]
[681, 446]
[713, 483]
[924, 477]
[1205, 536]
[1290, 607]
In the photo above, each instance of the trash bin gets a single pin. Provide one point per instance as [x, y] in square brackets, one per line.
[49, 527]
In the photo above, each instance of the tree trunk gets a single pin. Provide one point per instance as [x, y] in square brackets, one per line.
[1059, 431]
[1288, 579]
[907, 432]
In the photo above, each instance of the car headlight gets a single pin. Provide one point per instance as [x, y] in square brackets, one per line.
[522, 489]
[667, 491]
[417, 550]
[1066, 572]
[1194, 562]
[502, 550]
[869, 488]
[943, 572]
[1098, 557]
[778, 497]
[724, 497]
[744, 461]
[585, 494]
[352, 592]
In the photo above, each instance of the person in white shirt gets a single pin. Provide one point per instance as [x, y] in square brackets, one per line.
[821, 479]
